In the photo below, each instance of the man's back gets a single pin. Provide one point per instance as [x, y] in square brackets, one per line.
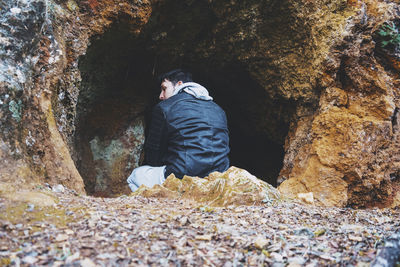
[188, 135]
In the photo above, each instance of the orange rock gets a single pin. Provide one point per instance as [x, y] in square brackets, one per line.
[233, 187]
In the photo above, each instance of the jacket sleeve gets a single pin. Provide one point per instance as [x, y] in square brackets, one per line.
[156, 141]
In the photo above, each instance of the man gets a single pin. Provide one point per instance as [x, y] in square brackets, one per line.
[188, 133]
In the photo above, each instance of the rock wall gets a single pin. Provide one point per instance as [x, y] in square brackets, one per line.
[347, 152]
[310, 88]
[41, 42]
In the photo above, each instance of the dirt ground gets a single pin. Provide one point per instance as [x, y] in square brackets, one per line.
[132, 230]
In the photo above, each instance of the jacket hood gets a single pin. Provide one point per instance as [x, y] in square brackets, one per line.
[193, 89]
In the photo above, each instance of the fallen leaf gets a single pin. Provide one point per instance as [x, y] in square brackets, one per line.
[319, 232]
[29, 260]
[355, 238]
[61, 237]
[204, 237]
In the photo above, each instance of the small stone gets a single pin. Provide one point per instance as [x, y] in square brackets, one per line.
[304, 231]
[183, 221]
[363, 264]
[91, 223]
[105, 256]
[327, 257]
[261, 242]
[69, 232]
[297, 261]
[283, 227]
[29, 260]
[30, 208]
[72, 258]
[15, 10]
[69, 213]
[87, 263]
[355, 238]
[313, 263]
[277, 257]
[58, 188]
[61, 237]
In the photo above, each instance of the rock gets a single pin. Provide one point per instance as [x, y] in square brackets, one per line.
[184, 221]
[233, 187]
[87, 263]
[58, 188]
[69, 232]
[61, 237]
[296, 261]
[30, 208]
[276, 257]
[355, 238]
[112, 159]
[34, 198]
[29, 260]
[349, 153]
[72, 258]
[388, 255]
[261, 242]
[15, 10]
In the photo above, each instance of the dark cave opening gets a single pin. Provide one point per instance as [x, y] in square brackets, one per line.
[257, 124]
[119, 89]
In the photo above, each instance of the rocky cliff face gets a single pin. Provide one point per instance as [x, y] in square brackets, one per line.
[310, 90]
[351, 155]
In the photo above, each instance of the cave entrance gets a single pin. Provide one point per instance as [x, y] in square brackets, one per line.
[118, 91]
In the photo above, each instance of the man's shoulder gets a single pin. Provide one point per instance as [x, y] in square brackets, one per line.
[173, 100]
[184, 100]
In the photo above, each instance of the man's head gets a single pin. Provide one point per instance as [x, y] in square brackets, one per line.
[169, 80]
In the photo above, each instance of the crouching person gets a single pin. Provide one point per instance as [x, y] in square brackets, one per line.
[188, 133]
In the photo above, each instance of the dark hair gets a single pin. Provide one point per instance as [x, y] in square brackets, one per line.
[175, 76]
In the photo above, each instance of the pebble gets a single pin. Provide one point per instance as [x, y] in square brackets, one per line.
[61, 237]
[277, 257]
[261, 242]
[355, 238]
[30, 208]
[296, 260]
[58, 188]
[15, 10]
[29, 260]
[87, 263]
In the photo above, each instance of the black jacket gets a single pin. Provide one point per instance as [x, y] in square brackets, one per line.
[189, 136]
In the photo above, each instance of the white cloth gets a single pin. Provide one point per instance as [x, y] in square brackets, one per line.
[193, 89]
[147, 175]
